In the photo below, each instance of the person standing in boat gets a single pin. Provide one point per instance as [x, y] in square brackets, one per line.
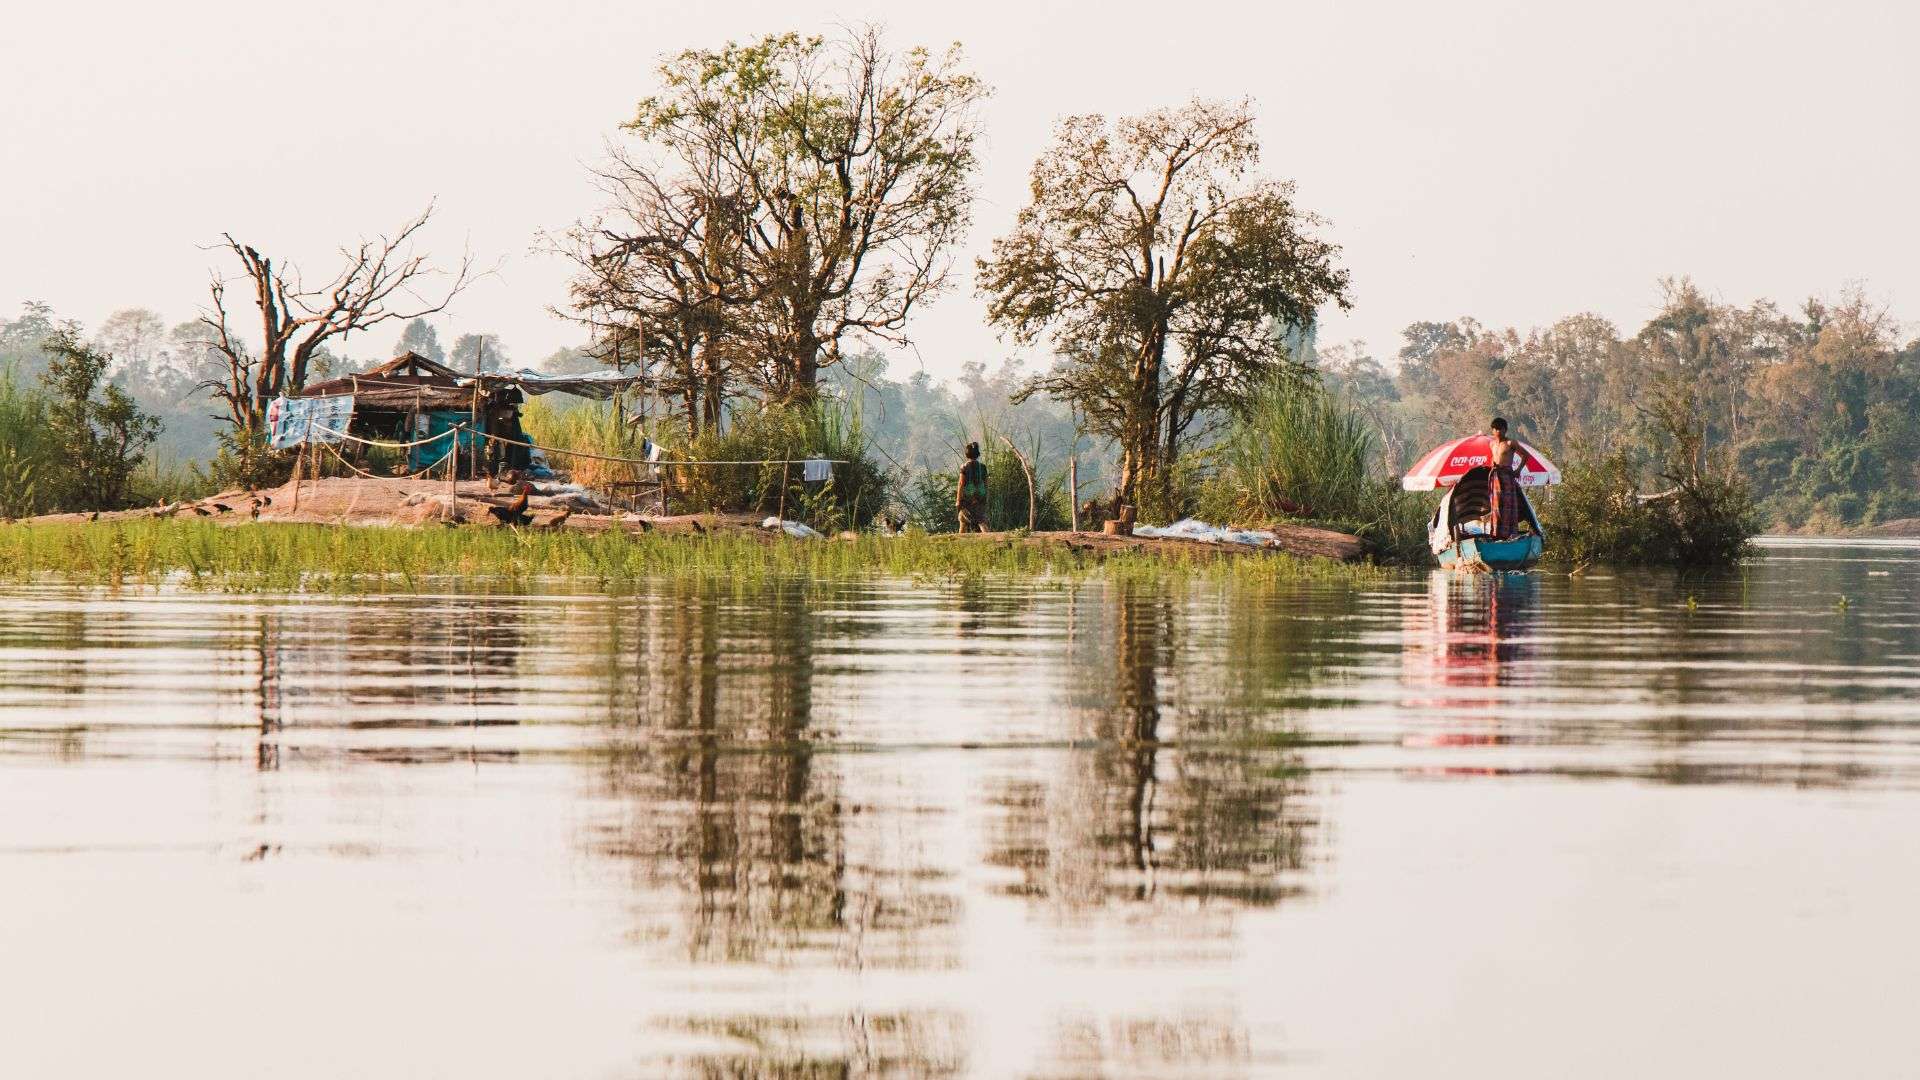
[971, 499]
[1503, 482]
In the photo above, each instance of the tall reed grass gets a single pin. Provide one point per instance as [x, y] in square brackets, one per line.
[28, 456]
[1297, 451]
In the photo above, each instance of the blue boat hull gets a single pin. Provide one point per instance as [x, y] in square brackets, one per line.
[1479, 553]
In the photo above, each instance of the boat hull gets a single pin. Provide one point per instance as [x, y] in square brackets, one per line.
[1477, 553]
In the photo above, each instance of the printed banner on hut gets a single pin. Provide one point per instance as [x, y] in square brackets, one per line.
[293, 422]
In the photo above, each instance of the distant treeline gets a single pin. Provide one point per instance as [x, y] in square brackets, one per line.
[1816, 409]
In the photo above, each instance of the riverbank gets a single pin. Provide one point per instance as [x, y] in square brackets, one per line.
[296, 556]
[410, 503]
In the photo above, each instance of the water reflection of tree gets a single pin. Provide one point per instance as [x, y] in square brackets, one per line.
[724, 803]
[1181, 787]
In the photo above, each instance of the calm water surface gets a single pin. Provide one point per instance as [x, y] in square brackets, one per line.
[1606, 826]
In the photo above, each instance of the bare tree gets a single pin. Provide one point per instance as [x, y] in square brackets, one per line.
[379, 281]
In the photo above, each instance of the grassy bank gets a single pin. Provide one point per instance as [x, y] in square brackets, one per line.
[285, 557]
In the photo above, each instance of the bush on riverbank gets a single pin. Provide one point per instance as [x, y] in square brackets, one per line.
[1300, 452]
[1599, 514]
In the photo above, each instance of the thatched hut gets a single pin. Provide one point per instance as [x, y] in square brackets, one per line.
[411, 398]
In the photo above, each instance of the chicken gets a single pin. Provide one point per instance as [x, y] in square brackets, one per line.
[223, 508]
[514, 513]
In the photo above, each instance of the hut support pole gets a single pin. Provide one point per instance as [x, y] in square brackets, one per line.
[453, 466]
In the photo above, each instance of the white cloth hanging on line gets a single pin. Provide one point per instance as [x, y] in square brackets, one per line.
[816, 469]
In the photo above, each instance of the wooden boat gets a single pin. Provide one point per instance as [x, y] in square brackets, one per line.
[1458, 549]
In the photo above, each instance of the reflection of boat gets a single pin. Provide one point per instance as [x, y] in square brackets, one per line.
[1465, 504]
[1463, 648]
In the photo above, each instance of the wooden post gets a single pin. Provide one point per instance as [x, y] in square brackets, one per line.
[783, 490]
[300, 459]
[1073, 495]
[453, 466]
[473, 417]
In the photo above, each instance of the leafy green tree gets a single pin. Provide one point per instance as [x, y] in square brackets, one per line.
[788, 193]
[100, 432]
[1157, 263]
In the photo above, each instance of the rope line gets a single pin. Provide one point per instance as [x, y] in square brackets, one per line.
[557, 450]
[404, 476]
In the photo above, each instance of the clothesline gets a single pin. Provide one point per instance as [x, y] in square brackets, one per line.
[556, 450]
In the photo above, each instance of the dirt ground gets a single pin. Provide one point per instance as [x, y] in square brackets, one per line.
[418, 502]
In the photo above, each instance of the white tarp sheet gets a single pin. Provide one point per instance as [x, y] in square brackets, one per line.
[1195, 529]
[791, 528]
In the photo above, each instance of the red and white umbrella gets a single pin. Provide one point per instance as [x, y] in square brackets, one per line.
[1444, 465]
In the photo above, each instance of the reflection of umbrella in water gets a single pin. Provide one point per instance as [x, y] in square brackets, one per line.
[1459, 648]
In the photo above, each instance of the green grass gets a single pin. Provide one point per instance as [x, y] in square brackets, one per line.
[334, 558]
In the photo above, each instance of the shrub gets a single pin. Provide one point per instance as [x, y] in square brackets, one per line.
[243, 460]
[98, 431]
[1598, 514]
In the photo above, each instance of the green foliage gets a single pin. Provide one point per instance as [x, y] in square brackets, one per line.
[592, 427]
[1296, 450]
[27, 452]
[1599, 514]
[1157, 264]
[99, 432]
[243, 460]
[816, 429]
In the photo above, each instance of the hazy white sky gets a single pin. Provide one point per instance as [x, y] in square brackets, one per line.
[1512, 161]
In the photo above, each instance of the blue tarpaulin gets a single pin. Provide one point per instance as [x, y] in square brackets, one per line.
[295, 422]
[439, 429]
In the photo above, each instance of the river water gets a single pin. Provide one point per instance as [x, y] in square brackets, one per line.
[1625, 824]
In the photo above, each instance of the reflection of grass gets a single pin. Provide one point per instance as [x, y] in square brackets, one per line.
[280, 557]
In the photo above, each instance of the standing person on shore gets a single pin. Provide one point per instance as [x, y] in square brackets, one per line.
[1503, 483]
[971, 498]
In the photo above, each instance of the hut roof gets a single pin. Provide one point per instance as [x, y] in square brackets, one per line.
[407, 371]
